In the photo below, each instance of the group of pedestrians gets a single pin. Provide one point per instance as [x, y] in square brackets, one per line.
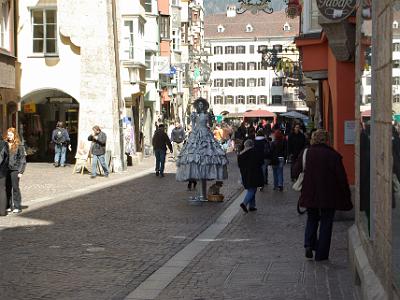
[325, 188]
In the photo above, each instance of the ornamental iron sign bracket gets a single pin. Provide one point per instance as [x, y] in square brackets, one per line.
[254, 6]
[336, 10]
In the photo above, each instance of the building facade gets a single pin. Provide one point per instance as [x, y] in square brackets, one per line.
[240, 81]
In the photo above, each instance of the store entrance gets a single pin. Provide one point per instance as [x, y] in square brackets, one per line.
[39, 114]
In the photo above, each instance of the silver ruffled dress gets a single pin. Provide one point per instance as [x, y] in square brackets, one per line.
[202, 157]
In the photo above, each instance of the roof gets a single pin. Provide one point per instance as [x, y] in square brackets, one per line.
[264, 25]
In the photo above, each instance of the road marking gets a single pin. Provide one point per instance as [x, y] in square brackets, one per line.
[160, 279]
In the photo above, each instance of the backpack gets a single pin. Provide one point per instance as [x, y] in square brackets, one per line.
[59, 136]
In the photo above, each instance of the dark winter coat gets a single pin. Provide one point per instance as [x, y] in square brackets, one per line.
[278, 149]
[241, 133]
[325, 182]
[296, 143]
[64, 139]
[17, 160]
[250, 164]
[4, 156]
[262, 147]
[98, 145]
[178, 135]
[161, 140]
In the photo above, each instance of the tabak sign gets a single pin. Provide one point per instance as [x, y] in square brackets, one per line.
[336, 10]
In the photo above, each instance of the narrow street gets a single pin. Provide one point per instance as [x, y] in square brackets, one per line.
[106, 242]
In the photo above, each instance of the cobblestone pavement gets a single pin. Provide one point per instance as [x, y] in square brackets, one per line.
[103, 243]
[260, 256]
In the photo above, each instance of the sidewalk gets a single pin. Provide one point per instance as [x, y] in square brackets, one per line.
[260, 255]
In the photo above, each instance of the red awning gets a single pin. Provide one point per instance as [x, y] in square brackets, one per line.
[366, 113]
[259, 113]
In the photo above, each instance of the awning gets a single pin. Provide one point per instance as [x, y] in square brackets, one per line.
[259, 113]
[294, 115]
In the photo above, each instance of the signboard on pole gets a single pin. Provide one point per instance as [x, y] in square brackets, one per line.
[336, 10]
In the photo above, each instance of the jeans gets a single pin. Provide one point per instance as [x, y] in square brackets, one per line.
[324, 219]
[250, 198]
[265, 170]
[278, 173]
[12, 190]
[177, 149]
[160, 160]
[60, 152]
[102, 160]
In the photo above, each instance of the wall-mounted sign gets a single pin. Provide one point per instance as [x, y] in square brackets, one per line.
[30, 108]
[60, 100]
[336, 10]
[349, 132]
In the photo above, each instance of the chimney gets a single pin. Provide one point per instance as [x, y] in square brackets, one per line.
[231, 11]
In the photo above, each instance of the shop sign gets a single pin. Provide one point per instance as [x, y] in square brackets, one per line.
[336, 10]
[30, 108]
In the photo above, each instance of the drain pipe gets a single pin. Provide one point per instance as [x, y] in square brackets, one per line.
[118, 77]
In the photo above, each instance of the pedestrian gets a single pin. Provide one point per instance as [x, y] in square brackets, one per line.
[60, 138]
[218, 133]
[325, 189]
[177, 138]
[261, 144]
[278, 157]
[160, 143]
[16, 167]
[250, 164]
[4, 155]
[240, 135]
[296, 143]
[98, 150]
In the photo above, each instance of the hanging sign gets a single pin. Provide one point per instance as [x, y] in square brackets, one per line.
[336, 10]
[30, 108]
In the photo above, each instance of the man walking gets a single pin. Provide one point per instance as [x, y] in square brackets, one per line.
[60, 138]
[177, 138]
[160, 143]
[98, 150]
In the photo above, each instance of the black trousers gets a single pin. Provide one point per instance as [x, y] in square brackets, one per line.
[322, 218]
[12, 189]
[3, 196]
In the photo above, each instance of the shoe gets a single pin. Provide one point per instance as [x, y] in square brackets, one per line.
[244, 207]
[9, 210]
[320, 258]
[62, 165]
[16, 211]
[93, 176]
[162, 174]
[252, 208]
[157, 173]
[281, 188]
[106, 175]
[56, 165]
[261, 189]
[309, 253]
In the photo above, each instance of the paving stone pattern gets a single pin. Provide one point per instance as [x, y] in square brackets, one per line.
[261, 256]
[100, 245]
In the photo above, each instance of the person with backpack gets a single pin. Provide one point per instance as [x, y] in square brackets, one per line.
[60, 138]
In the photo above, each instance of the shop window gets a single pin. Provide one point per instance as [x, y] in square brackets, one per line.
[251, 99]
[241, 66]
[218, 66]
[44, 29]
[240, 82]
[218, 100]
[218, 82]
[229, 66]
[218, 50]
[229, 100]
[240, 49]
[240, 100]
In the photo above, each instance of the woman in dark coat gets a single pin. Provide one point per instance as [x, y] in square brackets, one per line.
[250, 163]
[325, 190]
[3, 176]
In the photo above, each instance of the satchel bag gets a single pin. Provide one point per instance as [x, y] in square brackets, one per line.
[297, 186]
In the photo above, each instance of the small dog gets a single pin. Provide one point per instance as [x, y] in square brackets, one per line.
[214, 189]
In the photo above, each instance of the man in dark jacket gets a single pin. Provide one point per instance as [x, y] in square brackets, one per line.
[60, 139]
[296, 143]
[3, 176]
[160, 143]
[177, 138]
[325, 190]
[98, 150]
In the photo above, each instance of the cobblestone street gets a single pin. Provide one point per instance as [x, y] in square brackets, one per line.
[100, 239]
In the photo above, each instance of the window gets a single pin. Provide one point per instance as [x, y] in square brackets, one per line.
[262, 48]
[218, 82]
[229, 50]
[176, 43]
[164, 27]
[240, 49]
[4, 14]
[251, 100]
[278, 48]
[240, 100]
[396, 64]
[229, 66]
[184, 33]
[251, 66]
[276, 99]
[147, 5]
[395, 24]
[262, 99]
[277, 81]
[368, 99]
[175, 2]
[229, 82]
[218, 100]
[251, 49]
[261, 81]
[218, 66]
[396, 47]
[396, 98]
[240, 82]
[218, 50]
[240, 66]
[286, 27]
[149, 68]
[130, 36]
[368, 80]
[44, 23]
[249, 28]
[229, 100]
[262, 66]
[314, 25]
[220, 28]
[396, 80]
[251, 82]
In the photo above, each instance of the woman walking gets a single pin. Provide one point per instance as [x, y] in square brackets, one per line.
[325, 190]
[250, 163]
[16, 167]
[278, 157]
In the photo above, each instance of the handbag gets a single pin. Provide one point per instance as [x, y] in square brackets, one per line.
[297, 186]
